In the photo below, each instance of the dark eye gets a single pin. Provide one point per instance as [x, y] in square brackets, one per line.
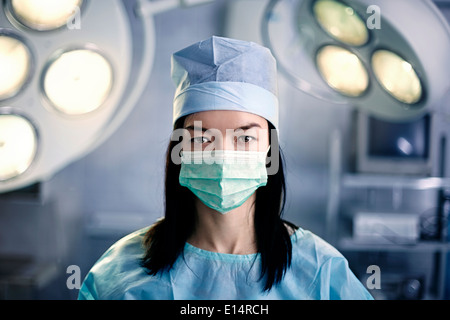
[245, 139]
[200, 140]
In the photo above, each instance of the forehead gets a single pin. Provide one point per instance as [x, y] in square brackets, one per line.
[225, 119]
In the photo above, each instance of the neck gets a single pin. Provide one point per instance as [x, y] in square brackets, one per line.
[233, 232]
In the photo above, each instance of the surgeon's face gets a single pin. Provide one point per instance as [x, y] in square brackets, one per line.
[226, 130]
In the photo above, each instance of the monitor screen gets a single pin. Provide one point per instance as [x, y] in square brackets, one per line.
[399, 140]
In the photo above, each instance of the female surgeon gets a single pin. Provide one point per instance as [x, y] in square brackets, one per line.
[222, 235]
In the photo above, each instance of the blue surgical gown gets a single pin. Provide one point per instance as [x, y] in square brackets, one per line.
[318, 271]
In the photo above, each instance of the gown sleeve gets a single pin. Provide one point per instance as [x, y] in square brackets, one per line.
[323, 270]
[86, 293]
[342, 284]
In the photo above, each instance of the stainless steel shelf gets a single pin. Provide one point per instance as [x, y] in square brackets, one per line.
[390, 181]
[350, 244]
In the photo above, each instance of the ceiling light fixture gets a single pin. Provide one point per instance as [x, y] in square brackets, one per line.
[80, 84]
[72, 71]
[406, 62]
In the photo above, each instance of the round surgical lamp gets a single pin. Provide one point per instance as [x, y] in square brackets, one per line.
[15, 64]
[77, 81]
[397, 76]
[18, 145]
[341, 22]
[371, 54]
[71, 72]
[44, 14]
[334, 61]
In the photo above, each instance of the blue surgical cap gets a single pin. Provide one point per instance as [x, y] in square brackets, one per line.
[225, 74]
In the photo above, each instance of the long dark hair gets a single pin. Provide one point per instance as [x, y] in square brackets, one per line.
[166, 239]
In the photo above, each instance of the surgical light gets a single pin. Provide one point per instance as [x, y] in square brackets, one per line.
[18, 145]
[341, 22]
[83, 81]
[15, 64]
[78, 81]
[44, 14]
[397, 76]
[406, 62]
[343, 70]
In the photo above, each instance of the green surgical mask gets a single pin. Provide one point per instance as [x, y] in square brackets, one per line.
[223, 179]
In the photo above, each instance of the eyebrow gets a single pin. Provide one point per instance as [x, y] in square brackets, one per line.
[246, 127]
